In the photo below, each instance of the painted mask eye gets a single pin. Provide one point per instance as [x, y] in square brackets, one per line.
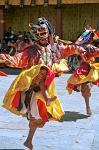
[43, 33]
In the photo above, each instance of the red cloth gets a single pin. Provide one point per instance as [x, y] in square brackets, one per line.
[92, 56]
[50, 76]
[82, 70]
[51, 39]
[16, 99]
[97, 33]
[42, 110]
[96, 82]
[25, 59]
[68, 50]
[2, 73]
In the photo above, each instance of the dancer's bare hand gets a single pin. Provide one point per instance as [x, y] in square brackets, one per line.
[50, 100]
[2, 61]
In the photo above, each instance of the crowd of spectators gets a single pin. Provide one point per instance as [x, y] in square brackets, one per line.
[8, 45]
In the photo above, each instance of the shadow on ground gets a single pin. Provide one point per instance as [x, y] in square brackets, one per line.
[72, 116]
[10, 71]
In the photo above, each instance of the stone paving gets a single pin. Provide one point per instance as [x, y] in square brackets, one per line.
[75, 131]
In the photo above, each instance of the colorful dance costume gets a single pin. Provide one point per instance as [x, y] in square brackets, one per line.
[88, 71]
[20, 93]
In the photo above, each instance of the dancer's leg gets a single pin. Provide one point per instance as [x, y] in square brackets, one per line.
[85, 90]
[28, 142]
